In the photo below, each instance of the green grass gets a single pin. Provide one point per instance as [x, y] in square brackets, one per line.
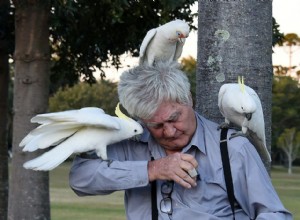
[66, 205]
[288, 188]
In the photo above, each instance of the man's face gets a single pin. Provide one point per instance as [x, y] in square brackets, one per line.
[172, 126]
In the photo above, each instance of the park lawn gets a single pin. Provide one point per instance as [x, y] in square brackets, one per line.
[66, 205]
[288, 188]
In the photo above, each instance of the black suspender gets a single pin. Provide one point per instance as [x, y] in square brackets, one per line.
[154, 199]
[227, 169]
[227, 176]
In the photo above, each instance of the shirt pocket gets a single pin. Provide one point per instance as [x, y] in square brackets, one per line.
[209, 196]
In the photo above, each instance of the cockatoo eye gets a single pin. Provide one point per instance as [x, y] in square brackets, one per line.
[135, 130]
[178, 33]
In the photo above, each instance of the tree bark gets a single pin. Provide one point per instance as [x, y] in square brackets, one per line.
[4, 80]
[4, 76]
[29, 190]
[234, 39]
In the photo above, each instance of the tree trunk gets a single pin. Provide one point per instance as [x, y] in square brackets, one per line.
[234, 39]
[4, 79]
[29, 190]
[290, 165]
[4, 76]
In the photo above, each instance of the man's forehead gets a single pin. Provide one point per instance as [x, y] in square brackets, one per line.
[165, 114]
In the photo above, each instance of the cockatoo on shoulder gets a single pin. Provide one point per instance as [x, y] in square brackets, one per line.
[164, 43]
[76, 131]
[241, 106]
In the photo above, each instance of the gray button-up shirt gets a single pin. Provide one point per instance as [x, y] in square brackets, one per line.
[208, 201]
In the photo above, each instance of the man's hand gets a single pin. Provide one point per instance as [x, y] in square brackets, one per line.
[175, 167]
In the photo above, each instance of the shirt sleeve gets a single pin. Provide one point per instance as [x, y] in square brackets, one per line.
[121, 171]
[253, 187]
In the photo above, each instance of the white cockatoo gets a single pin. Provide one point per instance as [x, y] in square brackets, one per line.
[241, 106]
[76, 131]
[164, 43]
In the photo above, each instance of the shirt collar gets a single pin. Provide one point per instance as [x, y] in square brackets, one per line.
[198, 137]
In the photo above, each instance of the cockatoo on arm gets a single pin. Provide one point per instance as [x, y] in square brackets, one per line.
[164, 43]
[241, 106]
[76, 131]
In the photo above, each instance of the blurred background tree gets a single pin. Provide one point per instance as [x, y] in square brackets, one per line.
[289, 142]
[291, 42]
[285, 111]
[102, 94]
[86, 35]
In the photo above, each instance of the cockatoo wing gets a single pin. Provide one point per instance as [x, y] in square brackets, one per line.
[146, 41]
[61, 125]
[83, 140]
[256, 131]
[260, 145]
[89, 116]
[44, 140]
[257, 123]
[222, 91]
[75, 131]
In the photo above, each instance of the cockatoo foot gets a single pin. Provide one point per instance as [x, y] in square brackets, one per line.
[223, 125]
[109, 162]
[226, 125]
[237, 134]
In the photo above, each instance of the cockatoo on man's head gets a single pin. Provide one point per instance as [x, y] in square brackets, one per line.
[164, 43]
[241, 106]
[76, 131]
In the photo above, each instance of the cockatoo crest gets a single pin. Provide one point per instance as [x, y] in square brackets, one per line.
[241, 83]
[120, 114]
[75, 131]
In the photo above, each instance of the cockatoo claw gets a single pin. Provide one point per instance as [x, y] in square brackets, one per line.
[226, 125]
[237, 134]
[109, 162]
[223, 125]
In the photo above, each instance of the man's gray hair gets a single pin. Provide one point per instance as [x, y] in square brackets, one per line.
[143, 88]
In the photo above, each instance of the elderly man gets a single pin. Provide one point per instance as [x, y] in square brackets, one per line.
[154, 170]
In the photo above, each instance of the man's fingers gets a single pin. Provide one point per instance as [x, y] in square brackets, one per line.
[178, 167]
[184, 179]
[189, 158]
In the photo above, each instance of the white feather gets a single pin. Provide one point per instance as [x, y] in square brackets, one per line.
[164, 43]
[234, 103]
[75, 131]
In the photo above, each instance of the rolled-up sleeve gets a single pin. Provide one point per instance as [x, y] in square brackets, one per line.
[122, 171]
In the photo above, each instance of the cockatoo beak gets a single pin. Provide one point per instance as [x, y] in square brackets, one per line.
[248, 116]
[181, 36]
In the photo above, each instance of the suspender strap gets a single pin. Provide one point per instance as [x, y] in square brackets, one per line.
[154, 199]
[227, 169]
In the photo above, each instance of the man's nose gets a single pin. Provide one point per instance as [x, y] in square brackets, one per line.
[169, 130]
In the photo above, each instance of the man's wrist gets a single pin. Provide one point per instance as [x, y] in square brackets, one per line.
[151, 170]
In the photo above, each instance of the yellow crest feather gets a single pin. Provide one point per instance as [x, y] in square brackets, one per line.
[241, 83]
[120, 114]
